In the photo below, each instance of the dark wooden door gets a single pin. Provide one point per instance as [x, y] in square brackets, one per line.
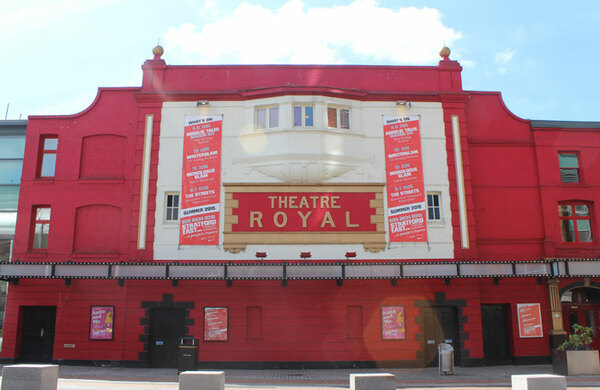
[37, 334]
[494, 324]
[167, 325]
[441, 326]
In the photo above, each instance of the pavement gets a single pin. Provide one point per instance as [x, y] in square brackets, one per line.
[489, 378]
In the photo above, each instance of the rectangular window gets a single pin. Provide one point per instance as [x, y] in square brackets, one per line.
[338, 118]
[433, 206]
[254, 322]
[355, 321]
[303, 116]
[575, 222]
[47, 163]
[41, 227]
[267, 117]
[171, 206]
[569, 167]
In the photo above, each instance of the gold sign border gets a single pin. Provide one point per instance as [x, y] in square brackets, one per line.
[235, 242]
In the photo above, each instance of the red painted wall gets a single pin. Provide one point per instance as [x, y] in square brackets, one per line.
[305, 321]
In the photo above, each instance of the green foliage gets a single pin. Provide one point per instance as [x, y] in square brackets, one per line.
[579, 340]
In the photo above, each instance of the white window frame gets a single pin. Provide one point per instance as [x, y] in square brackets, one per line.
[167, 207]
[303, 107]
[338, 115]
[268, 124]
[439, 206]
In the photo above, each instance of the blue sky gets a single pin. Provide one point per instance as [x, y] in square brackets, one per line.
[542, 55]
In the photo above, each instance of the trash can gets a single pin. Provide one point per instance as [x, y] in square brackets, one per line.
[187, 354]
[446, 359]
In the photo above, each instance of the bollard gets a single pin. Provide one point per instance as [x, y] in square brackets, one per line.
[202, 380]
[30, 377]
[372, 381]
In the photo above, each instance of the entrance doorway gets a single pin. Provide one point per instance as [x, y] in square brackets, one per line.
[441, 326]
[582, 306]
[37, 333]
[167, 325]
[494, 324]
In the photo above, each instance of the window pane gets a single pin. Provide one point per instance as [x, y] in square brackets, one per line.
[169, 200]
[308, 116]
[568, 160]
[176, 200]
[437, 213]
[169, 214]
[40, 239]
[584, 230]
[43, 214]
[274, 117]
[582, 210]
[564, 210]
[331, 117]
[10, 171]
[261, 118]
[9, 196]
[566, 231]
[345, 119]
[5, 251]
[12, 147]
[50, 143]
[297, 115]
[569, 175]
[48, 165]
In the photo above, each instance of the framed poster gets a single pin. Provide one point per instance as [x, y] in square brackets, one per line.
[216, 323]
[393, 324]
[102, 320]
[530, 320]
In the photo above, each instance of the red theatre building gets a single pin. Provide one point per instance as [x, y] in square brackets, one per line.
[301, 216]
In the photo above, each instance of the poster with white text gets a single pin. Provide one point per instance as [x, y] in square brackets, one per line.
[406, 208]
[201, 181]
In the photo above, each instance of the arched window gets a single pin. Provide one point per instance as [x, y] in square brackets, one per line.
[575, 221]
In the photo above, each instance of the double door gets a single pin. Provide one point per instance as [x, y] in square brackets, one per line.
[37, 334]
[585, 314]
[441, 326]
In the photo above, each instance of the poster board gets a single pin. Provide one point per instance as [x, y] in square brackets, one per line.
[530, 320]
[201, 181]
[102, 319]
[406, 209]
[216, 323]
[393, 323]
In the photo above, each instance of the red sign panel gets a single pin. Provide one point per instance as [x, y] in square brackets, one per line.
[304, 211]
[201, 186]
[215, 323]
[404, 173]
[393, 324]
[530, 320]
[101, 322]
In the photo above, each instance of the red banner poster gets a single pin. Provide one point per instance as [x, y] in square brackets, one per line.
[393, 324]
[101, 322]
[201, 186]
[530, 320]
[404, 173]
[215, 323]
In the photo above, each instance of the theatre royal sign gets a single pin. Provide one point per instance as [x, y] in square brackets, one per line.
[303, 214]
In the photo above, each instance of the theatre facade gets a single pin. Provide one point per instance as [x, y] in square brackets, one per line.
[302, 216]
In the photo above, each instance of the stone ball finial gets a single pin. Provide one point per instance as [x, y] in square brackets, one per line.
[445, 52]
[158, 51]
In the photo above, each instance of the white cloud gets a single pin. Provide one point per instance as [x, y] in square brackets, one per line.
[362, 31]
[504, 57]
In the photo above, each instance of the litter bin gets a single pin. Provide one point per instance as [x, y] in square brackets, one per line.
[446, 358]
[187, 354]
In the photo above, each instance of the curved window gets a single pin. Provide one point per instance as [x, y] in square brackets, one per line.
[575, 222]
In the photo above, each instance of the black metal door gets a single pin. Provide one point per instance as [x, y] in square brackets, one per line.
[37, 334]
[494, 324]
[441, 326]
[167, 325]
